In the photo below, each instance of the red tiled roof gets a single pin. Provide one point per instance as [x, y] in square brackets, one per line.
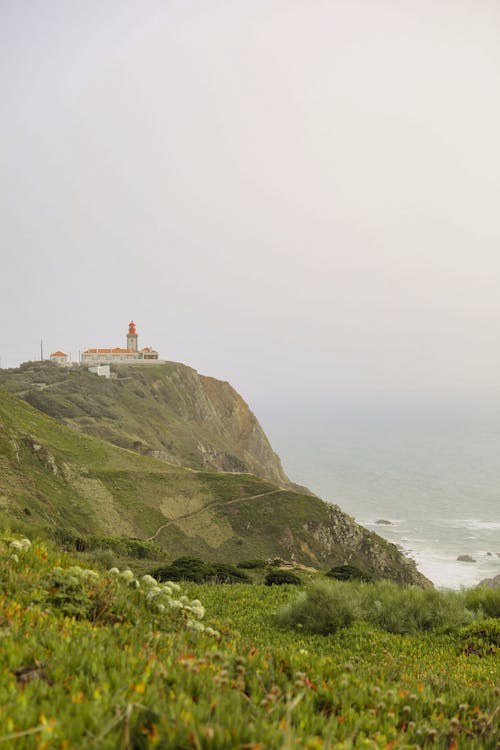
[58, 354]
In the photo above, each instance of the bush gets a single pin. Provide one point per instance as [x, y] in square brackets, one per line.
[67, 591]
[119, 546]
[323, 608]
[194, 569]
[326, 606]
[251, 564]
[280, 577]
[104, 558]
[349, 573]
[185, 569]
[229, 574]
[485, 601]
[482, 638]
[410, 610]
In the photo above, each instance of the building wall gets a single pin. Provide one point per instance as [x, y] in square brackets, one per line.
[131, 357]
[102, 370]
[60, 360]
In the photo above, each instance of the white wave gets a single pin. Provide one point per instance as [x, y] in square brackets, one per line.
[471, 523]
[447, 572]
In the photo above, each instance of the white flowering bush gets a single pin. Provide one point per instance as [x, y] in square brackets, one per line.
[165, 602]
[20, 545]
[115, 596]
[15, 548]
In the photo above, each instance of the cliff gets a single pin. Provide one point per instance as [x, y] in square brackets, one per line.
[57, 478]
[168, 411]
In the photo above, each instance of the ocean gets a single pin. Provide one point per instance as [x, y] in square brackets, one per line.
[432, 472]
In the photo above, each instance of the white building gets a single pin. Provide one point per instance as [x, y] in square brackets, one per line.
[117, 355]
[60, 358]
[103, 371]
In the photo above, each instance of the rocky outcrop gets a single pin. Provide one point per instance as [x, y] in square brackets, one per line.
[491, 583]
[344, 542]
[466, 558]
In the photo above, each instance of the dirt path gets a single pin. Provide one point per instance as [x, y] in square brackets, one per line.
[209, 505]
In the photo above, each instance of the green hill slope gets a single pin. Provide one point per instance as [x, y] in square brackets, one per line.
[56, 477]
[167, 410]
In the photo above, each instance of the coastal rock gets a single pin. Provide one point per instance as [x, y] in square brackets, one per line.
[466, 558]
[491, 583]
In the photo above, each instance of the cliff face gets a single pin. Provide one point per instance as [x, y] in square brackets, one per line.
[56, 478]
[168, 411]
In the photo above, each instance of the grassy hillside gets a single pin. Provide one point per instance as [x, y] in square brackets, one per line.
[95, 659]
[168, 411]
[55, 477]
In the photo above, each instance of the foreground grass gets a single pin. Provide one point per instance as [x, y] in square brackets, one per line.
[93, 664]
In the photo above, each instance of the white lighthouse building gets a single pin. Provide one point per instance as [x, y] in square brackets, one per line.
[130, 354]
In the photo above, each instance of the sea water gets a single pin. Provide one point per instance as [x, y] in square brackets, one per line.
[432, 472]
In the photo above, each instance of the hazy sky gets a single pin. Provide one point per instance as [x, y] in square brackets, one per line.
[299, 196]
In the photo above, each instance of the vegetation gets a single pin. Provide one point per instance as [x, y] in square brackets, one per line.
[349, 573]
[326, 607]
[106, 659]
[251, 564]
[282, 577]
[167, 410]
[86, 493]
[194, 569]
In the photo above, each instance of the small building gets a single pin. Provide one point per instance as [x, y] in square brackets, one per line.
[148, 353]
[129, 355]
[103, 371]
[59, 358]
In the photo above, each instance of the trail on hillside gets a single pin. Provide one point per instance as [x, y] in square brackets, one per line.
[209, 505]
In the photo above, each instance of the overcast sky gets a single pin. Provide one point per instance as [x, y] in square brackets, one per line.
[299, 196]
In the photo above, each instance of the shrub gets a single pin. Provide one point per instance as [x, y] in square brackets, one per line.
[117, 545]
[104, 558]
[482, 638]
[349, 573]
[251, 564]
[409, 610]
[326, 606]
[280, 577]
[185, 569]
[66, 591]
[323, 608]
[485, 601]
[229, 574]
[195, 570]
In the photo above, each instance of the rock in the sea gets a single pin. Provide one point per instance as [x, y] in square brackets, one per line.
[383, 522]
[466, 558]
[491, 583]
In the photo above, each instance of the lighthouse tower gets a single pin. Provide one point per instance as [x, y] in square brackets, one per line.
[132, 337]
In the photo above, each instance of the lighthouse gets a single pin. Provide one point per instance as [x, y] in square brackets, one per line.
[131, 355]
[132, 337]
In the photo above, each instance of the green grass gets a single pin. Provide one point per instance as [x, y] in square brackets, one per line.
[87, 662]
